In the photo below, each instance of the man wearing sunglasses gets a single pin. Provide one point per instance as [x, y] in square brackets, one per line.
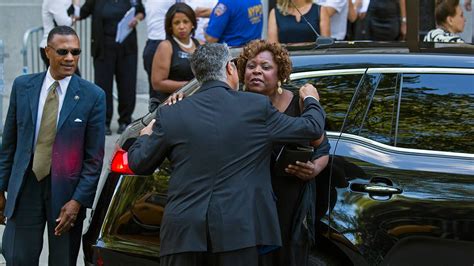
[51, 156]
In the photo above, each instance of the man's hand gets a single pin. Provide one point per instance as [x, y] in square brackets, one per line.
[2, 207]
[67, 217]
[308, 90]
[148, 129]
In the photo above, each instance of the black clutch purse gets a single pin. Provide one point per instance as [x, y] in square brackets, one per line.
[289, 154]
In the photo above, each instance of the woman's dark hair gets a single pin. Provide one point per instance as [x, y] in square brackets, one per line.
[280, 56]
[445, 9]
[179, 8]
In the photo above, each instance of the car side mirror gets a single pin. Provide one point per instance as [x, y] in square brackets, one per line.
[323, 41]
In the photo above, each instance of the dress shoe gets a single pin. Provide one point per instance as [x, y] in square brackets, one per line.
[121, 128]
[108, 132]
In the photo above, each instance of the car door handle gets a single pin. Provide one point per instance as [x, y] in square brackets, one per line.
[379, 189]
[382, 189]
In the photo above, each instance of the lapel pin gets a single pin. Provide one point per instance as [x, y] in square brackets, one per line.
[76, 97]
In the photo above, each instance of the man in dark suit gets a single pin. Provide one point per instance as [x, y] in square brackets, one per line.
[51, 156]
[221, 208]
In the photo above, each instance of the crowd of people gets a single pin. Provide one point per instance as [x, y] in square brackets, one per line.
[232, 22]
[227, 205]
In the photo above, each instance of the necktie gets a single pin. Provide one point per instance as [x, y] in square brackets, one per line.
[47, 134]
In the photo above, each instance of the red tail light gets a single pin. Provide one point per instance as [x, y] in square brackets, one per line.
[100, 261]
[120, 163]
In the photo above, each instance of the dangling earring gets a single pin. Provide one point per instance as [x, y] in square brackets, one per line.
[243, 88]
[279, 90]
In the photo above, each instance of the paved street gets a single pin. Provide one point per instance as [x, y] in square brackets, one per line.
[140, 109]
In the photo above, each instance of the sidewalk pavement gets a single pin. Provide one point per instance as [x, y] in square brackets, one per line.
[141, 109]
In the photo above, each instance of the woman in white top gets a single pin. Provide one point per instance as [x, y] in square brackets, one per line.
[54, 13]
[450, 22]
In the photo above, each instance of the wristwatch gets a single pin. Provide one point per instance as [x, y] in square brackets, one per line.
[404, 19]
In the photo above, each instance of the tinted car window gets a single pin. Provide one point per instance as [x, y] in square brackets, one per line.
[336, 93]
[437, 112]
[379, 123]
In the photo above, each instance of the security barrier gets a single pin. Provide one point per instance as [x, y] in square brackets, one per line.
[32, 62]
[31, 54]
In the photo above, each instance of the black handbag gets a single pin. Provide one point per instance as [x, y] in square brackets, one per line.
[289, 154]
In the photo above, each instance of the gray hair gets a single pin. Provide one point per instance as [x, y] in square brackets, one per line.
[209, 62]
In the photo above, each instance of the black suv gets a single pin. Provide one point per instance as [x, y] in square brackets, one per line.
[399, 186]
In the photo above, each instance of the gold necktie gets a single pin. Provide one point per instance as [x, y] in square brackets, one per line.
[46, 134]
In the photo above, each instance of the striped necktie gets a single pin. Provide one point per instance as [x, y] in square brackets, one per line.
[47, 134]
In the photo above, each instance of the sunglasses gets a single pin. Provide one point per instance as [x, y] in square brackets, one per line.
[64, 52]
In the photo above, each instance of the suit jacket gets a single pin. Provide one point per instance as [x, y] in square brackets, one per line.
[219, 142]
[78, 148]
[94, 8]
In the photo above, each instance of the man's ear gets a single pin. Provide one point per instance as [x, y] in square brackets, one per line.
[228, 68]
[47, 50]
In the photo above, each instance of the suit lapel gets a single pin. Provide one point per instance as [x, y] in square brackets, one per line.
[33, 93]
[70, 100]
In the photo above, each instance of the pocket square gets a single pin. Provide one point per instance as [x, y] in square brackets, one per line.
[77, 120]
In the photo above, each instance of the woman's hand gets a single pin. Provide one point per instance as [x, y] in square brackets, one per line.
[308, 170]
[303, 170]
[174, 98]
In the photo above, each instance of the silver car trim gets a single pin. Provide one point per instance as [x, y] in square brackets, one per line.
[421, 70]
[319, 73]
[351, 137]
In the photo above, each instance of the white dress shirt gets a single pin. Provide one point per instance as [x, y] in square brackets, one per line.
[155, 17]
[202, 22]
[156, 14]
[339, 19]
[61, 92]
[51, 11]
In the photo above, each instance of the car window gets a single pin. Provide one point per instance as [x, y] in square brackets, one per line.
[437, 112]
[380, 118]
[336, 93]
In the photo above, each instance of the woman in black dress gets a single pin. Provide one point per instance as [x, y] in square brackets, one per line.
[286, 25]
[171, 68]
[263, 66]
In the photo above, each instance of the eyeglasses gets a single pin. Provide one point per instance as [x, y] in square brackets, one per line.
[64, 52]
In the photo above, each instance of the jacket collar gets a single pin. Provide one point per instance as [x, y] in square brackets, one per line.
[212, 84]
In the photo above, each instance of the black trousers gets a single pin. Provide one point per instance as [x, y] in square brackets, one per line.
[118, 62]
[23, 235]
[148, 54]
[240, 257]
